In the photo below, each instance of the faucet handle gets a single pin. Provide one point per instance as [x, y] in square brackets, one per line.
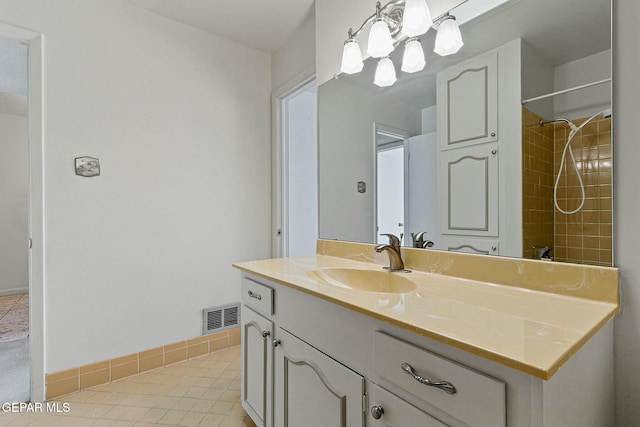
[393, 240]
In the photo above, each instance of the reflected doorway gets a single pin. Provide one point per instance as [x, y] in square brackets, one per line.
[300, 171]
[391, 182]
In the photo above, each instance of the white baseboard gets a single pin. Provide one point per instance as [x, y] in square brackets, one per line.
[13, 291]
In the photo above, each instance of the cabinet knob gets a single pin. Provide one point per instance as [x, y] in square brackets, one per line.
[377, 412]
[493, 134]
[265, 334]
[277, 343]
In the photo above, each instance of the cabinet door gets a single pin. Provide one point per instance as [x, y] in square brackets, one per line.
[388, 410]
[469, 196]
[257, 367]
[311, 389]
[467, 99]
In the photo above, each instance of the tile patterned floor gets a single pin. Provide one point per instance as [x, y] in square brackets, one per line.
[14, 317]
[200, 392]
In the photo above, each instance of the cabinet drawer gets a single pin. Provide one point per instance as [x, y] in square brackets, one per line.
[257, 296]
[478, 399]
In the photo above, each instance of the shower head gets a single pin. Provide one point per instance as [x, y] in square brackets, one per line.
[606, 113]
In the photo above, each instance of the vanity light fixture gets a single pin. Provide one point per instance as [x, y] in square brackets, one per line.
[448, 39]
[385, 73]
[413, 58]
[390, 24]
[351, 57]
[416, 18]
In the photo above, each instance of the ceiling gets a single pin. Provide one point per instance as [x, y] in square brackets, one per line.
[260, 24]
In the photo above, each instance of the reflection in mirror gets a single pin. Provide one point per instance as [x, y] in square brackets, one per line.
[482, 161]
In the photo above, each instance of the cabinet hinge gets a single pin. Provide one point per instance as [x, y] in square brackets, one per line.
[365, 403]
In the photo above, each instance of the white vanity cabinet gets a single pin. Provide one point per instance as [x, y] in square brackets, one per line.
[312, 389]
[313, 362]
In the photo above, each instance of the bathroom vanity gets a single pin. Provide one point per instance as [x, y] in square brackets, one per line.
[532, 347]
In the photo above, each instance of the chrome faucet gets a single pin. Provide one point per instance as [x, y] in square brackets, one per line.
[395, 256]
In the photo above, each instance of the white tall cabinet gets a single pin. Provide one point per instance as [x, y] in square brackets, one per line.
[479, 138]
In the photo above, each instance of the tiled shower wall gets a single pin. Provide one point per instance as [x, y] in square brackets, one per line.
[583, 237]
[537, 169]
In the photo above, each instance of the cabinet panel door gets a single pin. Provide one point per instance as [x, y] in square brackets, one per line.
[395, 412]
[469, 196]
[470, 245]
[468, 102]
[257, 367]
[311, 389]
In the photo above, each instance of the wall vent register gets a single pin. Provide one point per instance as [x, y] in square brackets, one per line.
[217, 319]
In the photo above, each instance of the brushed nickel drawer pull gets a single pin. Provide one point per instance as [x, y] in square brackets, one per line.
[445, 386]
[254, 295]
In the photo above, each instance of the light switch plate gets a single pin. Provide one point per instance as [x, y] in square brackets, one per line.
[87, 166]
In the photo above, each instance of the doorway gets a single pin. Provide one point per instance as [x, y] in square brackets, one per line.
[299, 171]
[392, 183]
[14, 223]
[32, 241]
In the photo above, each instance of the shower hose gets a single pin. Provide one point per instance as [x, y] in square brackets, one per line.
[567, 148]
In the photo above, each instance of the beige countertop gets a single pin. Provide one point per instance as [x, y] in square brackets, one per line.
[531, 330]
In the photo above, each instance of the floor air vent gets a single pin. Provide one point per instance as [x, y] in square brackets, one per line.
[221, 318]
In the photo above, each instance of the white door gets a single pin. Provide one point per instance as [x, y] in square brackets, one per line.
[257, 367]
[311, 389]
[469, 194]
[467, 99]
[390, 190]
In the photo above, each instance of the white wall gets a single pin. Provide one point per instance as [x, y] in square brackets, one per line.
[626, 128]
[296, 58]
[302, 174]
[429, 119]
[537, 80]
[180, 122]
[585, 102]
[14, 192]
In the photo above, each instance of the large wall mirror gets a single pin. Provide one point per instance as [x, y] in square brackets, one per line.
[405, 159]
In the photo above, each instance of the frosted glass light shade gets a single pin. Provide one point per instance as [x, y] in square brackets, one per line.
[380, 43]
[449, 39]
[351, 58]
[416, 19]
[413, 58]
[385, 73]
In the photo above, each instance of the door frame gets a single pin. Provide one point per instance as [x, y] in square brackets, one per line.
[278, 157]
[35, 43]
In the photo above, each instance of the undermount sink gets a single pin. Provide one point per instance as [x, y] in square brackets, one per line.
[366, 280]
